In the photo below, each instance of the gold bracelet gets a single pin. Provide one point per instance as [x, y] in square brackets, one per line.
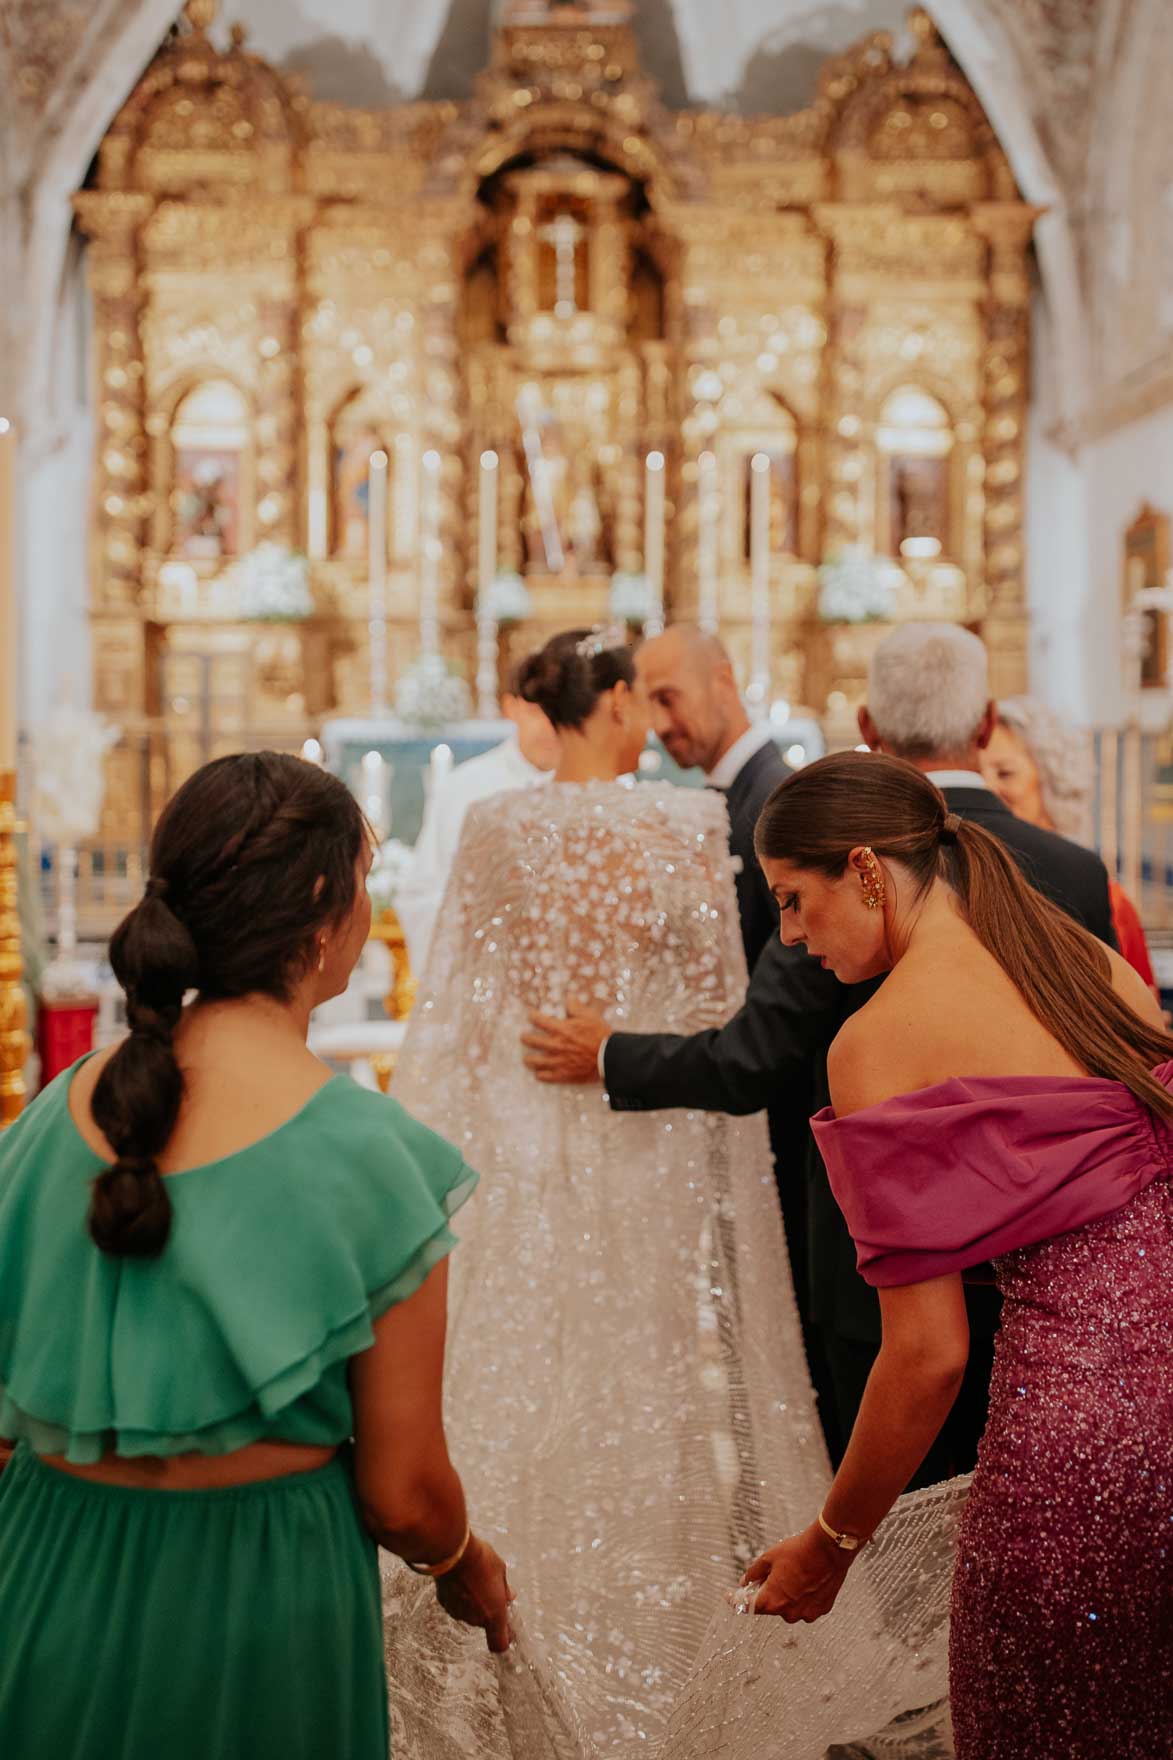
[445, 1564]
[845, 1542]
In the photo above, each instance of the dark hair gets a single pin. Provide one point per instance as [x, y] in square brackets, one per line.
[824, 811]
[250, 859]
[567, 677]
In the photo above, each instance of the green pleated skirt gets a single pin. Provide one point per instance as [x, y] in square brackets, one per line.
[239, 1624]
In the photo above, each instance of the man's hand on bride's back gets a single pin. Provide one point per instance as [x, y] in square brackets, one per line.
[565, 1050]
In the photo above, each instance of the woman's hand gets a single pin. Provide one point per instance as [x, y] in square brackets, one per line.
[800, 1577]
[478, 1594]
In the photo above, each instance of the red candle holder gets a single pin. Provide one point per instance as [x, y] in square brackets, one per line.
[65, 1032]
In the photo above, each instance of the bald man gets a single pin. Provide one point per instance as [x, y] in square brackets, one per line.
[699, 716]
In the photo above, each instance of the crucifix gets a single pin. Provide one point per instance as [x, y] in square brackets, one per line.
[564, 234]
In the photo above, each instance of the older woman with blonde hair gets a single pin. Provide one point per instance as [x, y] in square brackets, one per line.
[1041, 766]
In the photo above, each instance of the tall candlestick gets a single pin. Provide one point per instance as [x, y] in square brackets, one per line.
[430, 555]
[487, 704]
[374, 792]
[707, 550]
[654, 540]
[377, 580]
[758, 694]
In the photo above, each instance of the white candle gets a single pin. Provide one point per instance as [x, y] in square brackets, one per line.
[708, 514]
[374, 792]
[758, 693]
[487, 706]
[377, 580]
[429, 598]
[439, 764]
[654, 540]
[8, 626]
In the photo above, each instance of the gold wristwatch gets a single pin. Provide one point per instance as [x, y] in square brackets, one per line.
[845, 1542]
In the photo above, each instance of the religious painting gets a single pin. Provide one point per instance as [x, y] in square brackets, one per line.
[915, 440]
[1146, 565]
[354, 437]
[209, 435]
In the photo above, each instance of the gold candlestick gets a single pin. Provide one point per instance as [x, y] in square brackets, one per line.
[13, 1038]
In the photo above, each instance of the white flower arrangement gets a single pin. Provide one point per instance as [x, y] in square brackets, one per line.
[507, 599]
[69, 782]
[274, 585]
[630, 599]
[429, 694]
[388, 872]
[856, 586]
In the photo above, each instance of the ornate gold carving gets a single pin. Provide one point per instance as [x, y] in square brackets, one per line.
[13, 1038]
[725, 283]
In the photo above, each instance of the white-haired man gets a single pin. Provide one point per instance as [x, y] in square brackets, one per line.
[928, 702]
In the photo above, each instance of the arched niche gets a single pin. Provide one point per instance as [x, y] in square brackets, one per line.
[915, 444]
[355, 431]
[210, 443]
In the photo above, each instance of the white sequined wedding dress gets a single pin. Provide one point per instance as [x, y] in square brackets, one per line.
[626, 1395]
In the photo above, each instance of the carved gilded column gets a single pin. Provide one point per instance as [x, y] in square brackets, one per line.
[121, 529]
[13, 1044]
[1006, 226]
[845, 461]
[13, 1039]
[278, 425]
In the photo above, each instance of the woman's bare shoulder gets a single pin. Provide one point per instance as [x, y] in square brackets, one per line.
[884, 1048]
[1131, 988]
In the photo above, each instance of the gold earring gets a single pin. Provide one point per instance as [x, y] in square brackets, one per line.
[871, 881]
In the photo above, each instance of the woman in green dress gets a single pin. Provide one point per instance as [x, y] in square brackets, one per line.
[222, 1318]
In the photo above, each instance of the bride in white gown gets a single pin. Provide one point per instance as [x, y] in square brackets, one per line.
[626, 1390]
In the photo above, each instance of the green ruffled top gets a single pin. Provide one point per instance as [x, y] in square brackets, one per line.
[281, 1257]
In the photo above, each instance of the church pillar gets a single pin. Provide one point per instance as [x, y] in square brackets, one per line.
[120, 484]
[278, 472]
[1006, 227]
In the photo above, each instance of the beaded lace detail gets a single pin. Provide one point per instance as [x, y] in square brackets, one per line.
[626, 1391]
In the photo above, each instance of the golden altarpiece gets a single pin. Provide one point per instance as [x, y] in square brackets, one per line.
[557, 267]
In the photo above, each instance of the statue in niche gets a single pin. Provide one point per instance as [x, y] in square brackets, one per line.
[207, 497]
[352, 474]
[585, 524]
[546, 499]
[918, 500]
[209, 432]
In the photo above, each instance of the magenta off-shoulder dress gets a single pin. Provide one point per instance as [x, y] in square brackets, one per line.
[1061, 1644]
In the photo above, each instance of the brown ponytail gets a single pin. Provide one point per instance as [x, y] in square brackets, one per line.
[824, 811]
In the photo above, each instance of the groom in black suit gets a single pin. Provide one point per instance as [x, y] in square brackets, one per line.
[700, 719]
[928, 702]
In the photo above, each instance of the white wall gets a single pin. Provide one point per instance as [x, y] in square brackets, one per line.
[1133, 465]
[55, 632]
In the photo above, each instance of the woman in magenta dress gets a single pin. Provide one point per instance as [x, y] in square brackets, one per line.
[1004, 1096]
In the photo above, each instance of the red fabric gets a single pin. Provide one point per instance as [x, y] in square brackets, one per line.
[941, 1179]
[1129, 933]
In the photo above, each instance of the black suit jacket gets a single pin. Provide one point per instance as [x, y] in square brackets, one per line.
[748, 793]
[773, 1055]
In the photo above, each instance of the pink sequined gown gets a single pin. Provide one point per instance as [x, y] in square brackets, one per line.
[1062, 1631]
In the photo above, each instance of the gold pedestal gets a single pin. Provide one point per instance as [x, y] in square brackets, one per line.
[13, 1038]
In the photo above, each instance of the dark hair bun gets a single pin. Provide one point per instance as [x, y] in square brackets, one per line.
[569, 675]
[250, 859]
